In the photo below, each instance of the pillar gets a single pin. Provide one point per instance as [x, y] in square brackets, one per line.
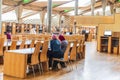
[76, 7]
[60, 22]
[42, 17]
[18, 11]
[104, 3]
[49, 13]
[112, 9]
[76, 13]
[92, 7]
[0, 16]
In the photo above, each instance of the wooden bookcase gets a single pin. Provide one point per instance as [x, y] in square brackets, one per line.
[104, 43]
[114, 44]
[108, 44]
[20, 28]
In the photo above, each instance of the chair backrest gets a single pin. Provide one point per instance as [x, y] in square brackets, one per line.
[67, 52]
[22, 45]
[34, 58]
[15, 37]
[43, 54]
[13, 45]
[73, 51]
[1, 46]
[82, 45]
[32, 43]
[79, 46]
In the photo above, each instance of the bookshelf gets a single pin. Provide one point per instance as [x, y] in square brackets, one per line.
[18, 28]
[104, 44]
[108, 44]
[8, 27]
[114, 44]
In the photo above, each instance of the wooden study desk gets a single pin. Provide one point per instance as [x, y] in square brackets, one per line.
[15, 62]
[27, 42]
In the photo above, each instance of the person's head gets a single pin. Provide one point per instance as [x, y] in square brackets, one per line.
[61, 37]
[54, 37]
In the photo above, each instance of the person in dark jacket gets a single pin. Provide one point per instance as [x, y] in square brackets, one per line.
[55, 51]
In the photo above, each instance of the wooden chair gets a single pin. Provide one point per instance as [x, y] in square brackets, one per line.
[32, 43]
[1, 46]
[82, 50]
[73, 53]
[13, 45]
[65, 59]
[22, 44]
[34, 58]
[79, 49]
[15, 37]
[43, 54]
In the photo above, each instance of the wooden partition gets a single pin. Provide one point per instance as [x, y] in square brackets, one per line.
[94, 20]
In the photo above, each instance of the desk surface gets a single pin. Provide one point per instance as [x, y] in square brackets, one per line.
[27, 42]
[23, 51]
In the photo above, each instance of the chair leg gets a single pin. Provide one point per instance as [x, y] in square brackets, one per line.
[39, 69]
[33, 71]
[70, 65]
[76, 64]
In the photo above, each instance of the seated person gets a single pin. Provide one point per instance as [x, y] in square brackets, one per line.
[32, 31]
[55, 52]
[64, 43]
[8, 35]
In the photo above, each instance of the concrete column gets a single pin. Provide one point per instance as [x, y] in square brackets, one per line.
[76, 7]
[18, 11]
[76, 13]
[112, 9]
[42, 16]
[92, 7]
[49, 13]
[60, 22]
[104, 3]
[42, 19]
[0, 16]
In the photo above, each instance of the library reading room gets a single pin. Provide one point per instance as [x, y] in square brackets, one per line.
[59, 39]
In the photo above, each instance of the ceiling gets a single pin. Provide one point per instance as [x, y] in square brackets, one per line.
[64, 7]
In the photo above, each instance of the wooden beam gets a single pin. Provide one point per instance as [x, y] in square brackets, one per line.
[30, 14]
[21, 2]
[29, 2]
[7, 9]
[63, 3]
[9, 2]
[31, 7]
[88, 10]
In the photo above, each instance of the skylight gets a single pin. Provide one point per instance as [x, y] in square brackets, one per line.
[9, 16]
[81, 3]
[100, 10]
[36, 16]
[25, 12]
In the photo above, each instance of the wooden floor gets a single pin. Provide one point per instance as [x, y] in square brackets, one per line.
[96, 66]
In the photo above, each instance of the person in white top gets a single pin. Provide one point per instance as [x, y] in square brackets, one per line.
[32, 31]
